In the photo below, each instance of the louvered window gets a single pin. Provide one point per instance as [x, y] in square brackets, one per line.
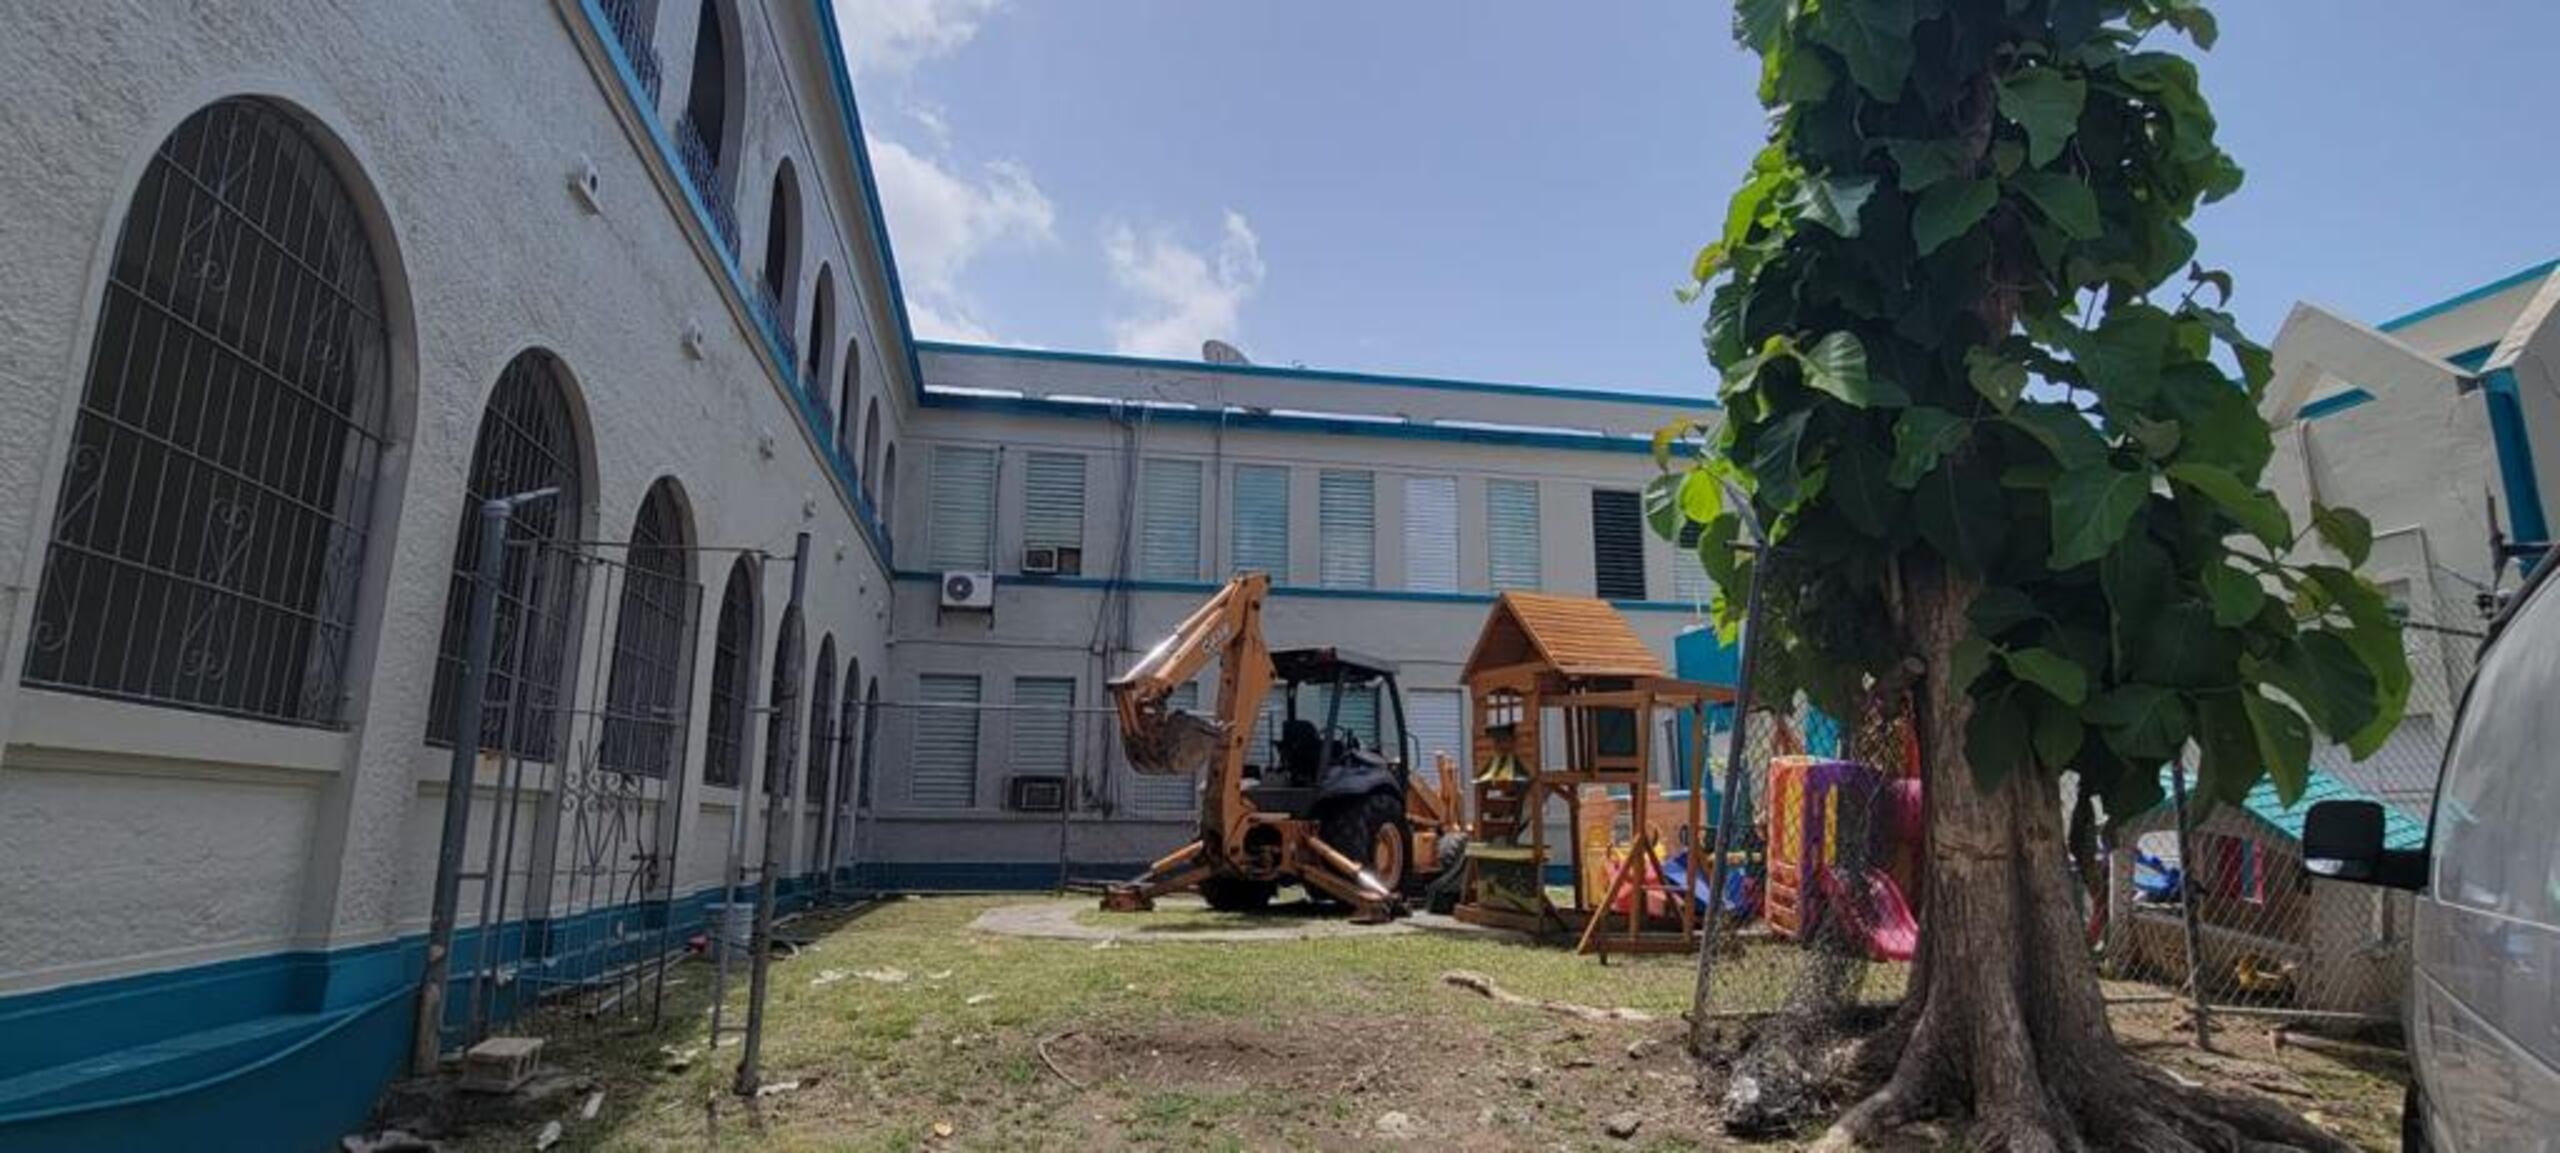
[1053, 508]
[1511, 533]
[1359, 713]
[1689, 581]
[1347, 529]
[1617, 545]
[1153, 794]
[1431, 534]
[1044, 725]
[1169, 520]
[1262, 520]
[962, 522]
[1439, 726]
[943, 773]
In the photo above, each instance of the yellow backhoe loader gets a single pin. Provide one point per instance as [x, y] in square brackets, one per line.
[1312, 807]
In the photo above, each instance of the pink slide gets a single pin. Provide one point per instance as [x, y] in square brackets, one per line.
[1883, 918]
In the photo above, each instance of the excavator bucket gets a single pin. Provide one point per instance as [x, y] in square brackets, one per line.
[1168, 742]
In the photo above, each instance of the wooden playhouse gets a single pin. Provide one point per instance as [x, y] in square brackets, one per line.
[1571, 710]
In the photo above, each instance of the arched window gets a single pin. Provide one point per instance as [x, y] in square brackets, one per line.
[871, 452]
[209, 539]
[782, 748]
[849, 395]
[733, 645]
[645, 695]
[870, 743]
[782, 255]
[703, 129]
[528, 442]
[848, 730]
[888, 488]
[822, 734]
[822, 333]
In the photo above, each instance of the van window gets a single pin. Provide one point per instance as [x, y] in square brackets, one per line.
[2492, 839]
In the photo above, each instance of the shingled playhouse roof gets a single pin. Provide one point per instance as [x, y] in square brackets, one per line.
[1575, 636]
[2399, 829]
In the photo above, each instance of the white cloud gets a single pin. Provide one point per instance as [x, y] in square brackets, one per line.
[892, 36]
[1181, 296]
[943, 220]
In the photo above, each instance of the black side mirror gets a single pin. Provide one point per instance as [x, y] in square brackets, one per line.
[2346, 841]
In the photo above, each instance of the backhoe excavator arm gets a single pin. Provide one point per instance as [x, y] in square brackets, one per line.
[1164, 741]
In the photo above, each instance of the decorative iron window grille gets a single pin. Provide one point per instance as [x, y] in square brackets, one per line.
[527, 442]
[209, 542]
[630, 26]
[789, 641]
[848, 728]
[870, 741]
[813, 375]
[822, 737]
[652, 644]
[702, 170]
[768, 312]
[725, 745]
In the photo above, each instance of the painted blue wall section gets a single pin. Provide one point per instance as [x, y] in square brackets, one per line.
[2457, 300]
[2335, 402]
[2515, 459]
[1324, 375]
[1276, 422]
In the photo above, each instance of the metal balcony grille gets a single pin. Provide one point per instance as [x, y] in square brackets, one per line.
[631, 30]
[702, 170]
[527, 442]
[211, 530]
[822, 736]
[724, 753]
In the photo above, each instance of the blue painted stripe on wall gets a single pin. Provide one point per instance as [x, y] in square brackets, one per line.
[2459, 299]
[2335, 402]
[1274, 422]
[2516, 473]
[1307, 592]
[1325, 375]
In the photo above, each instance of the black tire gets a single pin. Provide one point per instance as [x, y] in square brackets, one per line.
[1237, 894]
[1449, 884]
[1354, 828]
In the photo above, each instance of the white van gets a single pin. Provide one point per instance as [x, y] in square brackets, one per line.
[2484, 1015]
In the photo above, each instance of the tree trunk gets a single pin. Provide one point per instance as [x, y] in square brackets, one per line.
[2004, 1022]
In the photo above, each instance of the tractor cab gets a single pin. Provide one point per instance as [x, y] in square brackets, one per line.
[1333, 726]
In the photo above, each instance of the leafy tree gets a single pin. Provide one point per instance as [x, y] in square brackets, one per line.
[2006, 446]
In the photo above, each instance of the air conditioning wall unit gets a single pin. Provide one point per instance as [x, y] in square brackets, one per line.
[1045, 793]
[1040, 560]
[969, 590]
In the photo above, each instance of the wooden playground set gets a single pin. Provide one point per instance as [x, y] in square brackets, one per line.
[1571, 709]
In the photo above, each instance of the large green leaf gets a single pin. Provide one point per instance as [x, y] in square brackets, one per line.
[2058, 732]
[1957, 509]
[2091, 508]
[1757, 23]
[1834, 202]
[2064, 432]
[1921, 163]
[2284, 744]
[1998, 738]
[2257, 510]
[1998, 378]
[2227, 757]
[2144, 723]
[1837, 364]
[2236, 596]
[2222, 427]
[2328, 679]
[1774, 459]
[2345, 530]
[2046, 103]
[2180, 646]
[1998, 608]
[2373, 631]
[2063, 199]
[1970, 659]
[1662, 504]
[1859, 488]
[2050, 671]
[1874, 38]
[2138, 583]
[1701, 496]
[1948, 210]
[1920, 439]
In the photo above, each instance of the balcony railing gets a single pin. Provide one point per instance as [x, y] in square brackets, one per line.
[630, 28]
[702, 168]
[769, 315]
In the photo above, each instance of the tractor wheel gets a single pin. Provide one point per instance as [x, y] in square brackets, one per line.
[1371, 830]
[1236, 894]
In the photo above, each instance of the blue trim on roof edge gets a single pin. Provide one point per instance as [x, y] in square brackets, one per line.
[2516, 473]
[1520, 438]
[2459, 299]
[861, 145]
[1339, 376]
[2335, 402]
[1305, 592]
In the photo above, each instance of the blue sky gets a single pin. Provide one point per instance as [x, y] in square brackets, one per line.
[1494, 191]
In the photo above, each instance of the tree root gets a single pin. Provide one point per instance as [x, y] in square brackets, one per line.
[2136, 1108]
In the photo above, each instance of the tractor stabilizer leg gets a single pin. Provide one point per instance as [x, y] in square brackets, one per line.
[1179, 870]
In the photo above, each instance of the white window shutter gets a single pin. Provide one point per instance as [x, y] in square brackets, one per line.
[943, 772]
[1438, 717]
[1511, 533]
[1053, 500]
[1261, 537]
[1169, 520]
[1044, 725]
[961, 528]
[1347, 529]
[1431, 534]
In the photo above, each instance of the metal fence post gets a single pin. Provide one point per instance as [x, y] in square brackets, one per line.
[780, 728]
[1728, 810]
[2187, 903]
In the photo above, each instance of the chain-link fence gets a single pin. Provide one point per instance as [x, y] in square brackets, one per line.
[2266, 938]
